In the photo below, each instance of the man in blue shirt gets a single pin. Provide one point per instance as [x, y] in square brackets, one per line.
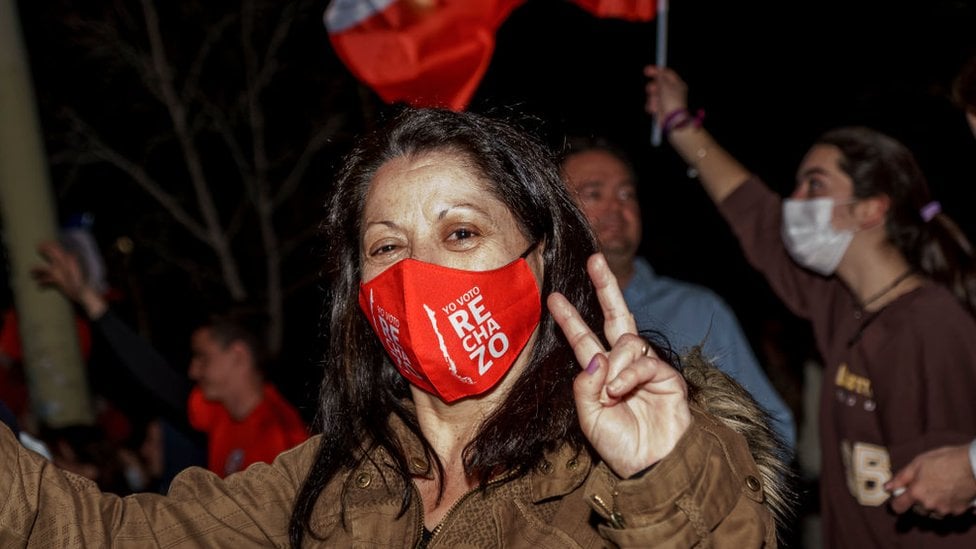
[603, 182]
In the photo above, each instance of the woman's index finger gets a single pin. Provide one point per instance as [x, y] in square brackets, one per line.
[584, 342]
[617, 318]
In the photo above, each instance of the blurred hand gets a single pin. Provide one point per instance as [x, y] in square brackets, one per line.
[62, 271]
[666, 92]
[936, 483]
[632, 406]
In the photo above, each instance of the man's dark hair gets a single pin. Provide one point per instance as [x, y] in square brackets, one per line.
[241, 323]
[576, 144]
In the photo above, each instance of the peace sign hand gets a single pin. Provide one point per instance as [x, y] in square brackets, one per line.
[632, 406]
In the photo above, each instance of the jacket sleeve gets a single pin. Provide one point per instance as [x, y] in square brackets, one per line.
[48, 507]
[706, 492]
[145, 363]
[727, 346]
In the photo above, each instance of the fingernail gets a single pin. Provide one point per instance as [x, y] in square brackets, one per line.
[898, 491]
[593, 366]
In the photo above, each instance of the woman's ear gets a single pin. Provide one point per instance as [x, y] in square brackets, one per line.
[537, 262]
[872, 212]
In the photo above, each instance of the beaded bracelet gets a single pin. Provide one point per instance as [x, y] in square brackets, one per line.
[679, 118]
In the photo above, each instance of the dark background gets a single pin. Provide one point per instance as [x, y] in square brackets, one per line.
[770, 75]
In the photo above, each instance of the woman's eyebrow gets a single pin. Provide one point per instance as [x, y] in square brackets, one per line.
[464, 205]
[385, 223]
[816, 170]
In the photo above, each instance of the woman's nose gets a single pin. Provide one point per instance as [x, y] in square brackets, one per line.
[426, 253]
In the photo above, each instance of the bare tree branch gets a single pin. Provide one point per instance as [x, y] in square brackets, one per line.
[289, 245]
[177, 111]
[223, 128]
[217, 126]
[270, 65]
[215, 32]
[253, 93]
[263, 205]
[101, 150]
[302, 283]
[313, 146]
[138, 60]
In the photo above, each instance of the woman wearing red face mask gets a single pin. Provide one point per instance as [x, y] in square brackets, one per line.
[467, 399]
[886, 279]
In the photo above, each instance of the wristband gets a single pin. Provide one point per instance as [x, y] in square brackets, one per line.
[669, 120]
[680, 118]
[972, 464]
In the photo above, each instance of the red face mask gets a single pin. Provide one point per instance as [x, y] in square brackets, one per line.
[451, 332]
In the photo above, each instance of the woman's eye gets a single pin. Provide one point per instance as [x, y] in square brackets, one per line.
[463, 233]
[382, 249]
[814, 188]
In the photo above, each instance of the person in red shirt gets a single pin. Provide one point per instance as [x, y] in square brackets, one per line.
[13, 381]
[245, 419]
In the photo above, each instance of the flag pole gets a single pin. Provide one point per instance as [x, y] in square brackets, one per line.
[661, 59]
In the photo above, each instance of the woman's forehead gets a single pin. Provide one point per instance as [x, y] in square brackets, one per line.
[437, 172]
[820, 158]
[421, 190]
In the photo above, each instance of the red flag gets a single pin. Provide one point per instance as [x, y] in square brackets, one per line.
[423, 52]
[631, 10]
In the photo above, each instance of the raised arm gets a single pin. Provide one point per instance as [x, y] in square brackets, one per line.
[667, 97]
[62, 272]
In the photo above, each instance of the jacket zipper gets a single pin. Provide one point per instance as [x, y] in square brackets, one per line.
[615, 518]
[450, 511]
[420, 518]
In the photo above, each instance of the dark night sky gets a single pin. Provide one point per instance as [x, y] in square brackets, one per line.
[770, 74]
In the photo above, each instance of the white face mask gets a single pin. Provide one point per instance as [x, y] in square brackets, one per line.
[809, 236]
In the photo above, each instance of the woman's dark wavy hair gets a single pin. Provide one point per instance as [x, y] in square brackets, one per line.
[880, 165]
[361, 388]
[963, 93]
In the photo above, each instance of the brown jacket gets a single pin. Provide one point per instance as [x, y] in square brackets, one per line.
[706, 492]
